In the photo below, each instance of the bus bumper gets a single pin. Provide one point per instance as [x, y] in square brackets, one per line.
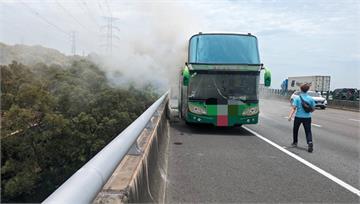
[225, 121]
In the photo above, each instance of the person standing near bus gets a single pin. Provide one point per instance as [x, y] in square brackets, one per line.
[302, 115]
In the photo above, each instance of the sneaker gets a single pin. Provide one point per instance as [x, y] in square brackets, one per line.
[310, 148]
[294, 144]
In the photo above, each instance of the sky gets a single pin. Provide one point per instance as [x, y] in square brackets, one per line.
[296, 38]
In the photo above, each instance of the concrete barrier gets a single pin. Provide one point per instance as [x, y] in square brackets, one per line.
[338, 104]
[142, 177]
[345, 105]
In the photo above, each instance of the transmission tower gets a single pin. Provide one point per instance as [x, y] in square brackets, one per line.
[110, 35]
[73, 42]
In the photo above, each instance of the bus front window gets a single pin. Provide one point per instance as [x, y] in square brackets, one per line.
[243, 87]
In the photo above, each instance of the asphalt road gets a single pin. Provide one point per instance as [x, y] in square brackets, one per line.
[208, 164]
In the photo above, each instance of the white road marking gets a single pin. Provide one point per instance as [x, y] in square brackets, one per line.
[311, 123]
[354, 120]
[324, 173]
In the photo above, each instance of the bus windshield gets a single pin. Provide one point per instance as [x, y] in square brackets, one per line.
[224, 49]
[224, 87]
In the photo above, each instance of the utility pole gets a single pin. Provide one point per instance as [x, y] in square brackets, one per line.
[73, 42]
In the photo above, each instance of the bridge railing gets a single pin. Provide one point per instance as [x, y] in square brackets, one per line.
[85, 184]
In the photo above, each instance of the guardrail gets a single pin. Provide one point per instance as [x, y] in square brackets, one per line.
[85, 184]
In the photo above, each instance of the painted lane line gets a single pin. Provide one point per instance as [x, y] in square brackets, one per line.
[321, 171]
[316, 125]
[354, 120]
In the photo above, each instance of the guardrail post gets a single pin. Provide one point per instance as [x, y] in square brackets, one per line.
[157, 113]
[149, 125]
[135, 149]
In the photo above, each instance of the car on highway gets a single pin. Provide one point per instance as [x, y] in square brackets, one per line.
[320, 101]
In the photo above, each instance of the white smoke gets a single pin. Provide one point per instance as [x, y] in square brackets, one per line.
[152, 44]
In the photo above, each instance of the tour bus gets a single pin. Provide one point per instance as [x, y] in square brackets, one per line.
[219, 84]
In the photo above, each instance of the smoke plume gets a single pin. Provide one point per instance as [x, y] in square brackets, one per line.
[152, 43]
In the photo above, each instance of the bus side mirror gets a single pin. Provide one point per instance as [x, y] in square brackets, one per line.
[267, 77]
[186, 76]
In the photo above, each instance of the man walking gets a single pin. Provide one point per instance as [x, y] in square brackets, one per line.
[303, 106]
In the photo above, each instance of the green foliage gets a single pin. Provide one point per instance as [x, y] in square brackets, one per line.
[54, 119]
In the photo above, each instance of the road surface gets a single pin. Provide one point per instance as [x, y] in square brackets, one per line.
[208, 164]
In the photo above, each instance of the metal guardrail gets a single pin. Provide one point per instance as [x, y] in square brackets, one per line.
[87, 182]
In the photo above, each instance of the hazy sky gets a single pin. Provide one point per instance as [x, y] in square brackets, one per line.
[296, 38]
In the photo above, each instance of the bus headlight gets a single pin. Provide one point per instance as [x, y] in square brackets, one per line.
[197, 110]
[250, 111]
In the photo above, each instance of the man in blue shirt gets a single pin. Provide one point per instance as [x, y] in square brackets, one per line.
[302, 116]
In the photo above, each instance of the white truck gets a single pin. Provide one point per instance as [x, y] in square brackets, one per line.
[318, 83]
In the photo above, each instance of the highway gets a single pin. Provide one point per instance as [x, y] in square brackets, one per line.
[208, 164]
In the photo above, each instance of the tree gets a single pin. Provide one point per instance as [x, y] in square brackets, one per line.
[54, 119]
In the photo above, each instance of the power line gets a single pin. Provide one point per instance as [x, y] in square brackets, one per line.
[72, 16]
[71, 34]
[75, 19]
[43, 18]
[89, 12]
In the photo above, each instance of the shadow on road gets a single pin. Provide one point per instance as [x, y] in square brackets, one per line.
[209, 129]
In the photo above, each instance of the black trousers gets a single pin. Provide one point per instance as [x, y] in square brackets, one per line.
[307, 126]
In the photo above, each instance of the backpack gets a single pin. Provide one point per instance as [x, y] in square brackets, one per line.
[306, 106]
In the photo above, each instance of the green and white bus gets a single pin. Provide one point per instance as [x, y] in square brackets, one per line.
[219, 84]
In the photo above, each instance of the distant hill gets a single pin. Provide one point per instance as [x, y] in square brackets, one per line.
[33, 54]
